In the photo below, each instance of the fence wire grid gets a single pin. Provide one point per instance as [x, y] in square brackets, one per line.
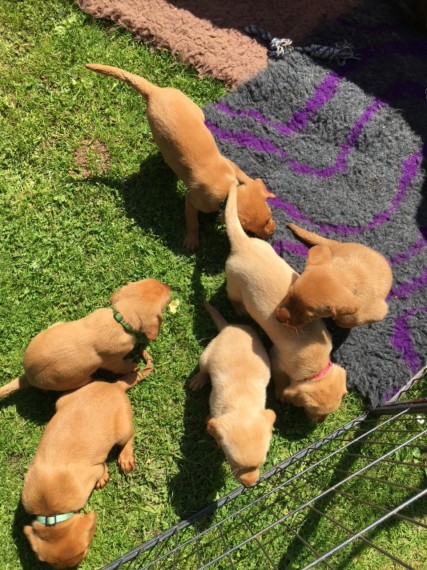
[323, 507]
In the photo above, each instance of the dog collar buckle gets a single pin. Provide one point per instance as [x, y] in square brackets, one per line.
[52, 520]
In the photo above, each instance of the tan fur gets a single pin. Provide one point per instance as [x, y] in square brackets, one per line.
[239, 369]
[346, 281]
[70, 462]
[65, 355]
[189, 149]
[257, 280]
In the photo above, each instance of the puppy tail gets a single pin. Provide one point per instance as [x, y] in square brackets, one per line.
[14, 385]
[233, 226]
[216, 316]
[310, 237]
[140, 84]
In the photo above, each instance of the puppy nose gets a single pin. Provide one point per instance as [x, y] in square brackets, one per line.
[320, 419]
[249, 479]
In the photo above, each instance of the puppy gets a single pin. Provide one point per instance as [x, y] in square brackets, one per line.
[239, 369]
[257, 280]
[346, 281]
[64, 356]
[189, 149]
[70, 462]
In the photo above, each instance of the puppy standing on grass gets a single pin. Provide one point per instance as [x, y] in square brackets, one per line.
[70, 462]
[64, 356]
[239, 369]
[189, 149]
[257, 280]
[346, 281]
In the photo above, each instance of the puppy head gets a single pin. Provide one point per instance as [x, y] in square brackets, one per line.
[317, 293]
[319, 397]
[252, 208]
[245, 443]
[65, 544]
[142, 304]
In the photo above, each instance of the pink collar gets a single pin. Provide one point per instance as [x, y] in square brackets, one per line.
[320, 374]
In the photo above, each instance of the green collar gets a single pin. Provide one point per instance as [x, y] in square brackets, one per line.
[141, 340]
[54, 519]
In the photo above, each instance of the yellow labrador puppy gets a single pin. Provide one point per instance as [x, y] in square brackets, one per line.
[65, 355]
[188, 147]
[70, 463]
[257, 280]
[346, 281]
[238, 367]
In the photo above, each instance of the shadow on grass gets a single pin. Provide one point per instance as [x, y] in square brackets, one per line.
[155, 199]
[202, 464]
[33, 404]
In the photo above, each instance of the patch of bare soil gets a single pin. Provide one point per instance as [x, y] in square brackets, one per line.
[92, 158]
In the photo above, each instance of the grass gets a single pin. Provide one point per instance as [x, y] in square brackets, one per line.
[87, 204]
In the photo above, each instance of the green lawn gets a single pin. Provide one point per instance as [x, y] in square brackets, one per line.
[87, 204]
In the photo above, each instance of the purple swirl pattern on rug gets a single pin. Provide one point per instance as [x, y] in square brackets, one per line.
[343, 150]
[247, 140]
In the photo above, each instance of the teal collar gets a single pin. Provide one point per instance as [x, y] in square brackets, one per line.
[141, 340]
[54, 519]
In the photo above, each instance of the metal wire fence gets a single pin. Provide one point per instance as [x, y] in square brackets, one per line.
[326, 506]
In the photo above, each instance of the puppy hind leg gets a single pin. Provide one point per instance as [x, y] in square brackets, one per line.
[104, 479]
[126, 458]
[374, 313]
[199, 381]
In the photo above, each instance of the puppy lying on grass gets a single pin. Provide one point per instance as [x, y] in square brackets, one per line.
[64, 356]
[346, 281]
[257, 280]
[70, 462]
[189, 149]
[239, 369]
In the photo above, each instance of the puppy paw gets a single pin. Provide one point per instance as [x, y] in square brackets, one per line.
[149, 366]
[198, 381]
[126, 462]
[104, 479]
[191, 242]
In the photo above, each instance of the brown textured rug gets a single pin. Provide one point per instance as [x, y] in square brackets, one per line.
[209, 34]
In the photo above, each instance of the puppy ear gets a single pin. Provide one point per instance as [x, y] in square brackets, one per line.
[152, 328]
[347, 310]
[34, 541]
[89, 526]
[294, 397]
[318, 255]
[265, 192]
[213, 428]
[345, 304]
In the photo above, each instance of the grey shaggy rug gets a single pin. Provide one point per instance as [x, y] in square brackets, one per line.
[344, 149]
